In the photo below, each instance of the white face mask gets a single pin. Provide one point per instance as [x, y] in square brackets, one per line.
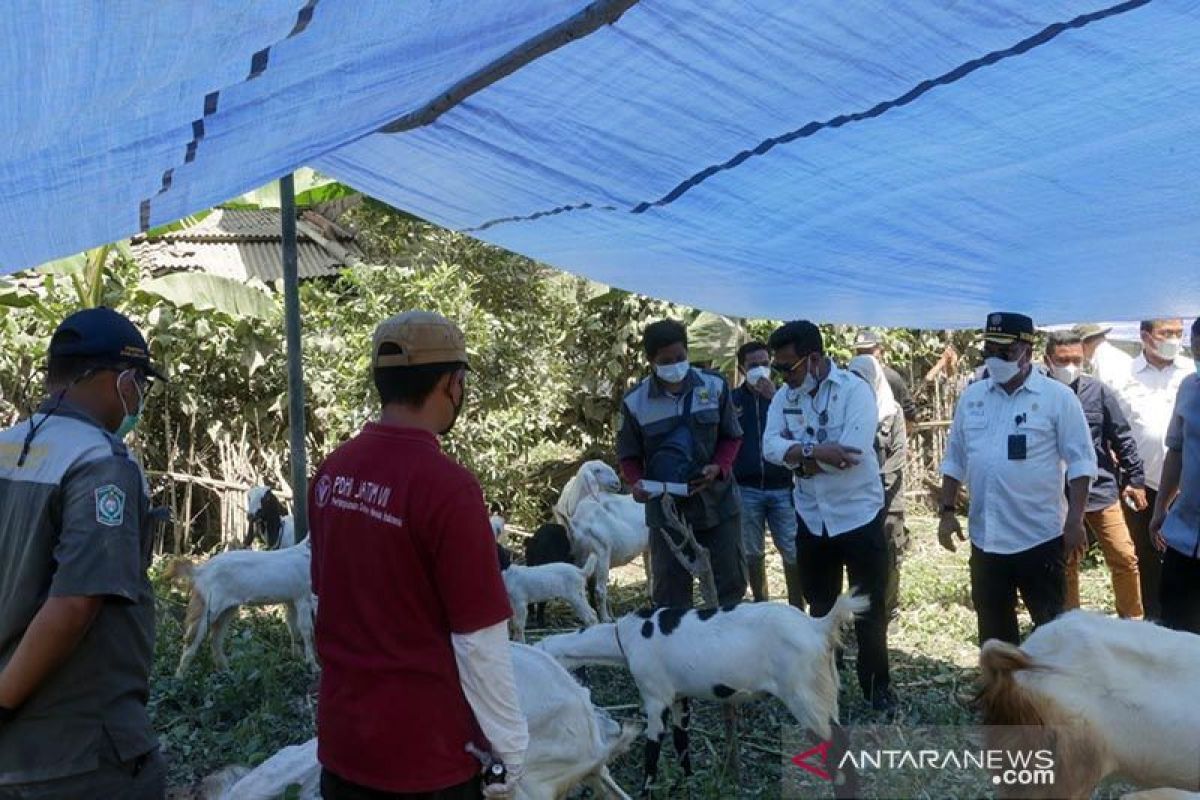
[1067, 374]
[756, 374]
[672, 373]
[1168, 348]
[1002, 371]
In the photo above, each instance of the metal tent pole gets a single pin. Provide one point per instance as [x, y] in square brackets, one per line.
[291, 307]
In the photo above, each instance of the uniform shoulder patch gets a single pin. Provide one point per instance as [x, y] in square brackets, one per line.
[110, 506]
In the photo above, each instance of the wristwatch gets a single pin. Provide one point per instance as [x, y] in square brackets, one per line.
[949, 509]
[806, 450]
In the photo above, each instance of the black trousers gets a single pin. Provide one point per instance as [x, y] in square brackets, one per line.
[1150, 561]
[673, 583]
[897, 543]
[1039, 574]
[1180, 597]
[864, 556]
[334, 787]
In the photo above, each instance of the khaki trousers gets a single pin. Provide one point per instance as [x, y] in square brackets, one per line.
[1108, 526]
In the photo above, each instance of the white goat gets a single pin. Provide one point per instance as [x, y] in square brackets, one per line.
[567, 582]
[1113, 696]
[570, 743]
[730, 654]
[268, 518]
[236, 578]
[605, 524]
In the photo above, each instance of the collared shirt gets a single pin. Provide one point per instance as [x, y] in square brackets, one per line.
[835, 501]
[1111, 364]
[74, 523]
[649, 415]
[1017, 504]
[1147, 397]
[1110, 435]
[1182, 526]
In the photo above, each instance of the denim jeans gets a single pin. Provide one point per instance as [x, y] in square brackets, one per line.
[771, 507]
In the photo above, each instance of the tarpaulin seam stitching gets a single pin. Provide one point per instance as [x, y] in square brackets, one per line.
[258, 65]
[1043, 36]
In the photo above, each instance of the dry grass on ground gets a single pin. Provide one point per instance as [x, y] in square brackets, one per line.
[266, 701]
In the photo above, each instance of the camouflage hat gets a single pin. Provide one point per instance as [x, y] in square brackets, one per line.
[1090, 330]
[423, 337]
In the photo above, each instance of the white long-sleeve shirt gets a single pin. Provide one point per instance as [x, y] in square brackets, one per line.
[833, 502]
[485, 670]
[1017, 504]
[1147, 397]
[1111, 364]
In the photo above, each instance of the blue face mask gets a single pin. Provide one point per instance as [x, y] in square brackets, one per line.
[131, 419]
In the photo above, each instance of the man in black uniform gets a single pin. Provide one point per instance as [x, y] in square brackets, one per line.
[76, 607]
[765, 488]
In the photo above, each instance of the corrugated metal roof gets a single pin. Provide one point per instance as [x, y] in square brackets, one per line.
[243, 244]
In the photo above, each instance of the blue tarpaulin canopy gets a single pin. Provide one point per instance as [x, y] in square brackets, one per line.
[883, 163]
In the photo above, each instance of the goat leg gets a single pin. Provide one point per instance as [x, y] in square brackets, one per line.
[656, 731]
[539, 611]
[845, 779]
[682, 723]
[733, 765]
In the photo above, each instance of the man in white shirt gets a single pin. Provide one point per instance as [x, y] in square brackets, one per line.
[822, 427]
[1108, 363]
[1147, 397]
[1013, 436]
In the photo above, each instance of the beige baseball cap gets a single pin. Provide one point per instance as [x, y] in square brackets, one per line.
[424, 337]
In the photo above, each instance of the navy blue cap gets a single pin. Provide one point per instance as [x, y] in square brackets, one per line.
[105, 335]
[1005, 327]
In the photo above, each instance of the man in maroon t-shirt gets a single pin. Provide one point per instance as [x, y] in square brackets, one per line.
[412, 616]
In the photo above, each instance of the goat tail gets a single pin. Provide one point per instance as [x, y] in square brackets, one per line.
[180, 571]
[589, 566]
[844, 610]
[1002, 700]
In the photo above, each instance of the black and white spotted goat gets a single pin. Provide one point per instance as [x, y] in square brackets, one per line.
[729, 654]
[269, 520]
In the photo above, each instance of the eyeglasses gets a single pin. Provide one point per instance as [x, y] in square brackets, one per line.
[1004, 351]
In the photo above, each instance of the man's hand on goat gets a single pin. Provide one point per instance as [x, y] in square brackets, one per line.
[948, 528]
[508, 789]
[639, 494]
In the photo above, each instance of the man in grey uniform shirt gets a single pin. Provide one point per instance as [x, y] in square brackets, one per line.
[76, 607]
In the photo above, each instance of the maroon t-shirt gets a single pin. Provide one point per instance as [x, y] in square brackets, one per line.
[403, 555]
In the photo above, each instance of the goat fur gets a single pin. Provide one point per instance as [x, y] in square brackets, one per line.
[229, 580]
[1112, 697]
[730, 655]
[566, 582]
[599, 522]
[549, 544]
[571, 742]
[268, 520]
